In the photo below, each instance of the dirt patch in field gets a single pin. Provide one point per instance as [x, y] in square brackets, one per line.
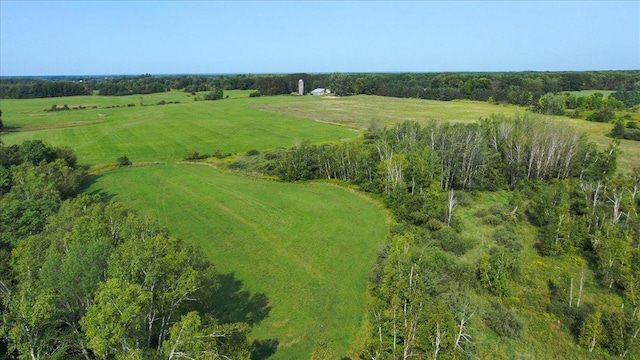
[52, 126]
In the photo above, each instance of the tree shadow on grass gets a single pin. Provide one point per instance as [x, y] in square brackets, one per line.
[228, 302]
[91, 179]
[263, 349]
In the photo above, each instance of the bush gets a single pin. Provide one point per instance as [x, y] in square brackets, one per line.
[194, 155]
[215, 94]
[255, 94]
[272, 155]
[448, 240]
[434, 225]
[632, 134]
[238, 165]
[506, 236]
[220, 155]
[503, 321]
[604, 115]
[491, 220]
[253, 152]
[124, 161]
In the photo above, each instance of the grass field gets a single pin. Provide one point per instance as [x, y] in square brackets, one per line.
[167, 132]
[360, 111]
[310, 256]
[159, 132]
[582, 93]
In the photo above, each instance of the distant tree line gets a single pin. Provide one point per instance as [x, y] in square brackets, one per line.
[520, 88]
[145, 84]
[28, 89]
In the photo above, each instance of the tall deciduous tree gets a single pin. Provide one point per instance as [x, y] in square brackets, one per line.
[113, 324]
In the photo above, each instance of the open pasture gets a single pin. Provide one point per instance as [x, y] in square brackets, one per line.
[308, 247]
[158, 132]
[359, 112]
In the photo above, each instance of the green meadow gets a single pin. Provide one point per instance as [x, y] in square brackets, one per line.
[359, 112]
[308, 247]
[119, 126]
[162, 133]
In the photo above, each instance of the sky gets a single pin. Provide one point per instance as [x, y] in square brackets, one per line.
[39, 38]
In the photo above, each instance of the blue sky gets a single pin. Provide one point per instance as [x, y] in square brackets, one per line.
[164, 37]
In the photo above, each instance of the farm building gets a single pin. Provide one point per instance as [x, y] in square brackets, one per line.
[320, 91]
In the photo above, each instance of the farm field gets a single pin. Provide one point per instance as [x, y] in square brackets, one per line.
[167, 132]
[162, 133]
[310, 256]
[359, 111]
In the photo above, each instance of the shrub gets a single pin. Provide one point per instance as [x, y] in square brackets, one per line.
[194, 155]
[448, 240]
[632, 134]
[507, 237]
[271, 155]
[491, 220]
[215, 94]
[253, 152]
[434, 225]
[604, 115]
[220, 155]
[238, 165]
[255, 94]
[123, 161]
[503, 321]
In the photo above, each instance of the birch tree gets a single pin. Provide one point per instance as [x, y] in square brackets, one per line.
[113, 324]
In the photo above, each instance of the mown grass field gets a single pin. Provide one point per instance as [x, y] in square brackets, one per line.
[158, 132]
[605, 93]
[308, 247]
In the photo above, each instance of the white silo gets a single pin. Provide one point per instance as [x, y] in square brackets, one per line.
[300, 87]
